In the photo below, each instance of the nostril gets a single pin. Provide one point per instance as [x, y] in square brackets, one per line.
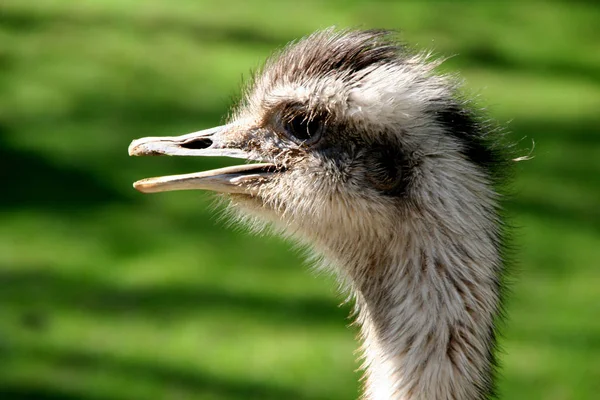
[197, 144]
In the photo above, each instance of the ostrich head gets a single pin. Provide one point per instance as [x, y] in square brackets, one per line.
[361, 150]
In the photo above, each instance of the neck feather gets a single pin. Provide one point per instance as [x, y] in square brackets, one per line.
[427, 315]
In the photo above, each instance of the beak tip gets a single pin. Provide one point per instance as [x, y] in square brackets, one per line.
[140, 186]
[134, 148]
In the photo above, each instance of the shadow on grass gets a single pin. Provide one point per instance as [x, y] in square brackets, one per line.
[581, 135]
[486, 56]
[25, 20]
[581, 131]
[29, 181]
[588, 218]
[30, 392]
[44, 293]
[37, 180]
[173, 380]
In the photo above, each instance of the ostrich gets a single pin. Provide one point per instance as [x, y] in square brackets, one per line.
[361, 151]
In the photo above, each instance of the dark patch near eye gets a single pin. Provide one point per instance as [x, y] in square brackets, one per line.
[479, 142]
[388, 170]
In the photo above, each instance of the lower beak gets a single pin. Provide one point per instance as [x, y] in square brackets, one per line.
[244, 178]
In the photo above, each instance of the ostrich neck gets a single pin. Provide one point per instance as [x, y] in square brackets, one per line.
[427, 315]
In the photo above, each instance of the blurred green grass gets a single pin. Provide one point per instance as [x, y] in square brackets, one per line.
[108, 294]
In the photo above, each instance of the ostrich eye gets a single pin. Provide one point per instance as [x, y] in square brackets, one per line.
[304, 130]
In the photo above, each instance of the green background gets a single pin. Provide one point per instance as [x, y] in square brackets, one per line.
[109, 294]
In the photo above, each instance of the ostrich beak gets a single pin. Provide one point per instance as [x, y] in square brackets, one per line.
[210, 142]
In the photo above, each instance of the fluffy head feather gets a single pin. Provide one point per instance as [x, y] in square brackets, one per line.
[395, 137]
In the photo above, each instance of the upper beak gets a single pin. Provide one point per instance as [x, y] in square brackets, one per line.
[210, 142]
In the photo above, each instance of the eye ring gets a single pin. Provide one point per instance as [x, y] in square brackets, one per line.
[304, 129]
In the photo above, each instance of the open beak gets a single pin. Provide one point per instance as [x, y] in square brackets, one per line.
[245, 178]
